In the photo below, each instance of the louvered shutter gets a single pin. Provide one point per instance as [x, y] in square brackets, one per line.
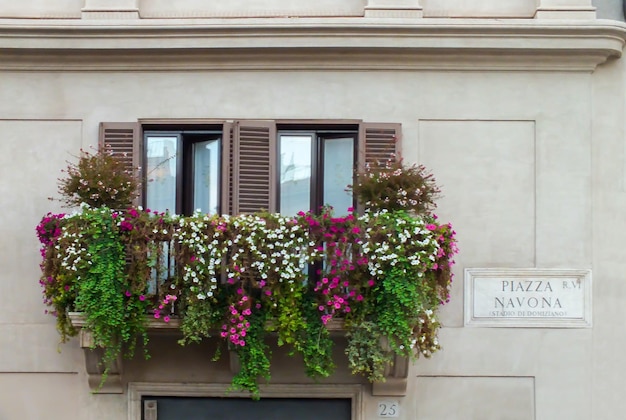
[124, 141]
[253, 170]
[378, 142]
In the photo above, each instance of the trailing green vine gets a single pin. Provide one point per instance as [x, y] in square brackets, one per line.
[381, 274]
[254, 357]
[114, 314]
[315, 343]
[366, 355]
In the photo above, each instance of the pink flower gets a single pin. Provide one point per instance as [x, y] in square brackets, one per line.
[127, 293]
[166, 318]
[142, 298]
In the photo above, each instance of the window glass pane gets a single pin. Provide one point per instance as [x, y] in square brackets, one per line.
[338, 173]
[295, 174]
[206, 176]
[161, 173]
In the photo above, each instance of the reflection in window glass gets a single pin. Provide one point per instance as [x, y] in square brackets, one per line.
[338, 173]
[206, 176]
[161, 173]
[295, 173]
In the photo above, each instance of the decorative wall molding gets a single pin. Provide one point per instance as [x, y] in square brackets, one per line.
[570, 9]
[310, 44]
[136, 390]
[94, 368]
[396, 372]
[394, 8]
[111, 9]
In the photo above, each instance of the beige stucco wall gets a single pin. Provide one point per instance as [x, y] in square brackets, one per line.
[526, 141]
[159, 9]
[532, 175]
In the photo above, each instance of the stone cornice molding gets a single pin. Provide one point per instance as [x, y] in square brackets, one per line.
[292, 44]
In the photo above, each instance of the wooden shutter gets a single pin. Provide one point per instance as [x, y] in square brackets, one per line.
[125, 142]
[378, 142]
[253, 171]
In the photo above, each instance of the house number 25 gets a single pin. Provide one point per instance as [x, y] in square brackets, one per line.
[388, 409]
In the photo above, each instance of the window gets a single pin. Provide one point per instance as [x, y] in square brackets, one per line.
[315, 167]
[182, 170]
[246, 166]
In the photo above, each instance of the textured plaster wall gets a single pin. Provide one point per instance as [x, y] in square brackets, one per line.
[609, 9]
[158, 9]
[516, 154]
[609, 256]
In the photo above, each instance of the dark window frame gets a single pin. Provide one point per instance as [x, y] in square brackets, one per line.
[320, 135]
[247, 185]
[187, 136]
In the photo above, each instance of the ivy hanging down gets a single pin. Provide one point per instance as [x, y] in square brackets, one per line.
[380, 275]
[383, 274]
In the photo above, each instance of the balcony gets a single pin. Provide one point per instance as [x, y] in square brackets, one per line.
[253, 283]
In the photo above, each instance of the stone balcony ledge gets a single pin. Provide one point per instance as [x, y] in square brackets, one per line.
[396, 373]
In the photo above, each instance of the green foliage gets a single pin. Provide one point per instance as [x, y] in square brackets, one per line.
[254, 357]
[239, 278]
[113, 315]
[201, 317]
[398, 303]
[390, 185]
[314, 342]
[99, 179]
[366, 355]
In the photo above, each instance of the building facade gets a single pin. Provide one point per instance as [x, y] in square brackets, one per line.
[517, 107]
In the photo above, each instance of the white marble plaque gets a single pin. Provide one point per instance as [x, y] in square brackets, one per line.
[548, 298]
